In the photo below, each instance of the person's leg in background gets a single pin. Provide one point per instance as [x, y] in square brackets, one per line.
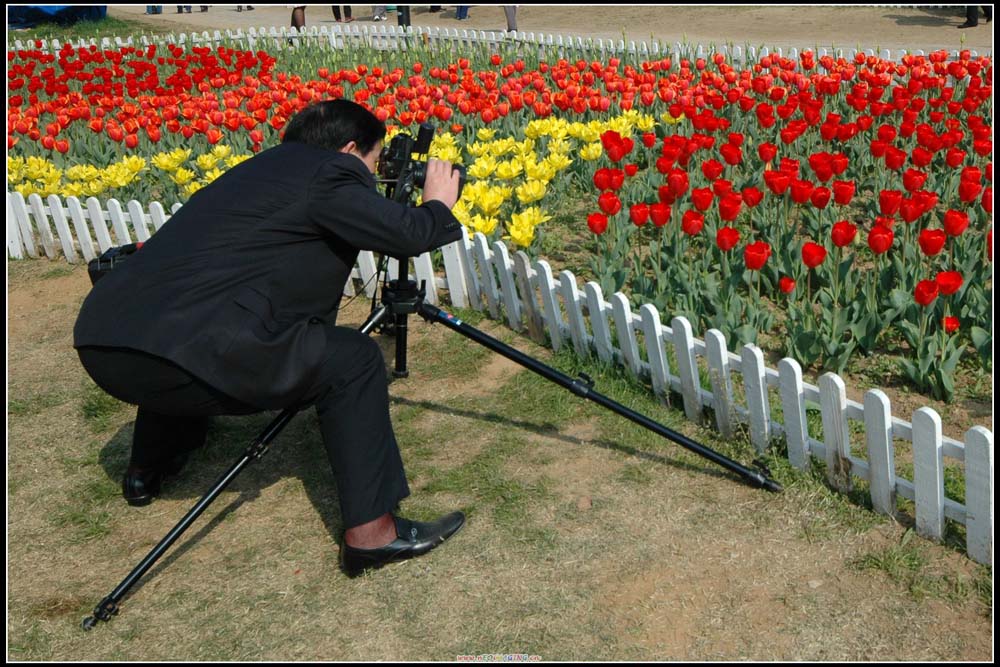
[510, 13]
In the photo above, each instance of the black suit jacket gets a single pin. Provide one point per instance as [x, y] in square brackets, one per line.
[238, 286]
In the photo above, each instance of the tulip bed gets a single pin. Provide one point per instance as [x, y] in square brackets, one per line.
[847, 201]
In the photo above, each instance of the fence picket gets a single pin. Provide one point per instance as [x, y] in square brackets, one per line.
[752, 365]
[622, 314]
[487, 280]
[793, 407]
[455, 274]
[15, 244]
[62, 228]
[574, 313]
[532, 314]
[928, 473]
[833, 403]
[118, 222]
[550, 306]
[652, 329]
[367, 269]
[157, 215]
[100, 224]
[42, 224]
[16, 204]
[511, 302]
[472, 283]
[424, 270]
[717, 353]
[597, 308]
[881, 460]
[138, 219]
[979, 494]
[683, 339]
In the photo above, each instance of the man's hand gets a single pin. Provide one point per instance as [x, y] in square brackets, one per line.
[441, 183]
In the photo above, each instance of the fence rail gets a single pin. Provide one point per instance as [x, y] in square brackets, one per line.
[399, 38]
[556, 312]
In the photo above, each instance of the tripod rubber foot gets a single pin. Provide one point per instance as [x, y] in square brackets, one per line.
[89, 623]
[773, 486]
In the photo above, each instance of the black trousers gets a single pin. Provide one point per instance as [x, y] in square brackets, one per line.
[350, 395]
[972, 13]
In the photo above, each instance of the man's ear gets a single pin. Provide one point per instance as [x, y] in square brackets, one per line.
[349, 147]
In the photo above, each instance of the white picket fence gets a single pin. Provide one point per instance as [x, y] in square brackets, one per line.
[556, 312]
[392, 37]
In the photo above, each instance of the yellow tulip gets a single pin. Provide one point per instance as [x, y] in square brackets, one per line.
[221, 152]
[483, 224]
[490, 201]
[75, 189]
[483, 167]
[236, 159]
[540, 171]
[485, 134]
[206, 161]
[558, 161]
[164, 161]
[182, 176]
[15, 169]
[476, 149]
[522, 235]
[192, 188]
[591, 151]
[508, 170]
[529, 191]
[211, 175]
[82, 172]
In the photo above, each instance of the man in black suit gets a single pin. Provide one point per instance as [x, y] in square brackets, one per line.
[230, 308]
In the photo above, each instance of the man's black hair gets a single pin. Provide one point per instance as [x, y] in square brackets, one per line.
[335, 123]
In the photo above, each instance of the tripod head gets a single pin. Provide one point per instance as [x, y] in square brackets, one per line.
[400, 172]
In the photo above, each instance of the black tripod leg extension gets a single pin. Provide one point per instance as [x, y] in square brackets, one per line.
[583, 389]
[108, 607]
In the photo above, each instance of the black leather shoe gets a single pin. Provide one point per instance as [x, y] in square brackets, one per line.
[413, 539]
[968, 25]
[139, 487]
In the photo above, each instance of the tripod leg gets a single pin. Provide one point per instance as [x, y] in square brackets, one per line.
[583, 388]
[108, 607]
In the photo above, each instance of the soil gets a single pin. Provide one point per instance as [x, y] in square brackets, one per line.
[882, 27]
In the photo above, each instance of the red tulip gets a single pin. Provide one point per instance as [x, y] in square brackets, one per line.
[729, 206]
[648, 139]
[678, 182]
[733, 155]
[801, 191]
[727, 238]
[931, 241]
[692, 222]
[702, 198]
[968, 191]
[910, 209]
[767, 151]
[926, 292]
[813, 254]
[631, 170]
[712, 169]
[843, 233]
[609, 203]
[820, 197]
[949, 282]
[955, 222]
[751, 196]
[598, 223]
[954, 157]
[913, 179]
[131, 140]
[894, 158]
[880, 239]
[755, 255]
[777, 181]
[843, 192]
[639, 214]
[987, 200]
[950, 324]
[660, 213]
[889, 201]
[786, 285]
[722, 187]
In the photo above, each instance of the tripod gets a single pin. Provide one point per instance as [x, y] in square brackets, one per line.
[400, 299]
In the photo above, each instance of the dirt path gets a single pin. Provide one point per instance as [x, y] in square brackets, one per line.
[801, 27]
[587, 538]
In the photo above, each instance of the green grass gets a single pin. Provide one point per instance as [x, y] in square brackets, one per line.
[37, 403]
[98, 408]
[107, 27]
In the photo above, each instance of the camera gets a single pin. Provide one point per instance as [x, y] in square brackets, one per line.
[400, 172]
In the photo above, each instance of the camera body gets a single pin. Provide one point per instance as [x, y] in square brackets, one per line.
[401, 172]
